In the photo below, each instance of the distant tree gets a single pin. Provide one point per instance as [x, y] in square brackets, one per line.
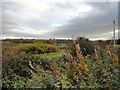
[51, 41]
[118, 42]
[82, 39]
[86, 46]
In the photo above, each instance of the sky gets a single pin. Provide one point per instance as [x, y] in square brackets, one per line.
[42, 19]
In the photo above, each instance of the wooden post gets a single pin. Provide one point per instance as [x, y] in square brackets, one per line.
[114, 31]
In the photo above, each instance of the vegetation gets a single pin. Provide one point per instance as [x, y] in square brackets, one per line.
[78, 64]
[52, 55]
[34, 48]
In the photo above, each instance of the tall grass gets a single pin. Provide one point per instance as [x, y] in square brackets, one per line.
[98, 70]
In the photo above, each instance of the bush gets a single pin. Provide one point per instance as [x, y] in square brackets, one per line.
[86, 46]
[34, 48]
[19, 70]
[20, 64]
[13, 81]
[98, 70]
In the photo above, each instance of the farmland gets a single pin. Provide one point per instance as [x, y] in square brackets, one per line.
[52, 64]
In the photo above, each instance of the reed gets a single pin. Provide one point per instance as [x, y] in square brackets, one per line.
[78, 65]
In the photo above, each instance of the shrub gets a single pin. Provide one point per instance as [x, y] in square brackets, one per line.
[95, 71]
[13, 81]
[20, 64]
[86, 46]
[34, 48]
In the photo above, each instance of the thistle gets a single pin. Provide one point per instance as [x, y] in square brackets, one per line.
[80, 57]
[114, 59]
[79, 54]
[54, 70]
[67, 67]
[96, 56]
[69, 57]
[85, 69]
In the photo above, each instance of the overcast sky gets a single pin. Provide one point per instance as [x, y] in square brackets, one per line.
[63, 19]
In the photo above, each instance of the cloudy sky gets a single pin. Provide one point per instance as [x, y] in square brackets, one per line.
[58, 19]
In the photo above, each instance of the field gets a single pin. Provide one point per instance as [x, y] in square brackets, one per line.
[51, 55]
[80, 63]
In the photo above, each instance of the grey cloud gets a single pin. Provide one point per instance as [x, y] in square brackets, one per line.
[63, 5]
[93, 25]
[10, 21]
[37, 24]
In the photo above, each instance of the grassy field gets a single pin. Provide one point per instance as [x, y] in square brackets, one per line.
[51, 55]
[54, 55]
[62, 46]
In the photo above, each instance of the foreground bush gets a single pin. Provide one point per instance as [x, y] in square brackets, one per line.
[21, 68]
[26, 64]
[99, 70]
[13, 81]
